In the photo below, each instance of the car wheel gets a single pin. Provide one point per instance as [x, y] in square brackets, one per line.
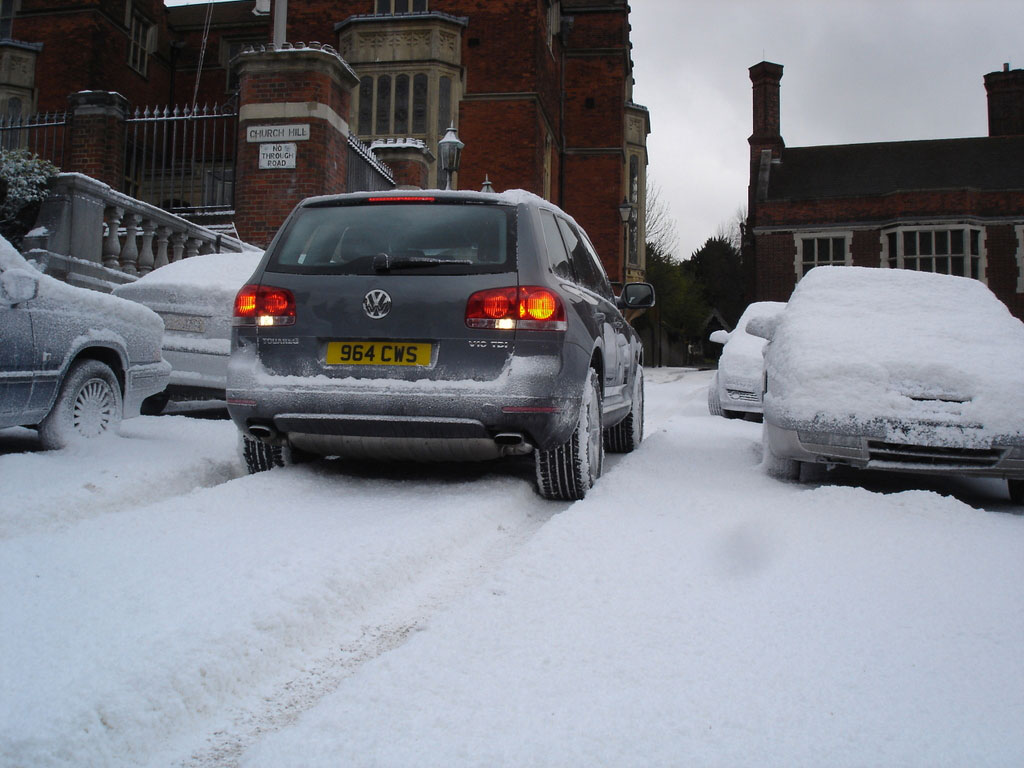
[154, 404]
[625, 436]
[568, 471]
[1016, 490]
[778, 466]
[260, 456]
[88, 405]
[714, 402]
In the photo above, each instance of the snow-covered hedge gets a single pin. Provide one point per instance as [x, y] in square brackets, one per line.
[24, 178]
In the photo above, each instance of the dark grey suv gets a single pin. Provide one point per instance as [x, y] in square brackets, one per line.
[443, 326]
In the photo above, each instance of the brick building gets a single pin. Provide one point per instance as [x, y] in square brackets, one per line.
[954, 206]
[539, 90]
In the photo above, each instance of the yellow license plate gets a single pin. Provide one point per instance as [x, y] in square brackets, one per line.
[378, 353]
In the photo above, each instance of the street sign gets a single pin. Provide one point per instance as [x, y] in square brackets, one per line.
[278, 155]
[262, 133]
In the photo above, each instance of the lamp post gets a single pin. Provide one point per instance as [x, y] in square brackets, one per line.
[449, 154]
[627, 212]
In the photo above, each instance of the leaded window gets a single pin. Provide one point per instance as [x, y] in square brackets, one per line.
[419, 104]
[821, 250]
[389, 7]
[383, 105]
[139, 39]
[401, 104]
[6, 18]
[946, 250]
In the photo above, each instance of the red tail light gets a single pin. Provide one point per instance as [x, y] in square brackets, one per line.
[527, 307]
[264, 305]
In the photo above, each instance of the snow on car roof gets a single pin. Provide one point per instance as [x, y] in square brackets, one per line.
[741, 355]
[862, 342]
[104, 305]
[208, 278]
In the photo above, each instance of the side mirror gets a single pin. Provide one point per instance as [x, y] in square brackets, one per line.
[719, 337]
[18, 286]
[763, 327]
[636, 296]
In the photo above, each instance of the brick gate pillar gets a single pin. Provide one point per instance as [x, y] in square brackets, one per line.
[293, 133]
[97, 135]
[408, 159]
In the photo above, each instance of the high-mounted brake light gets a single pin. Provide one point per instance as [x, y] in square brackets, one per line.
[264, 305]
[416, 199]
[525, 307]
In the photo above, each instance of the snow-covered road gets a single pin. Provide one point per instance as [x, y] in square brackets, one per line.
[159, 608]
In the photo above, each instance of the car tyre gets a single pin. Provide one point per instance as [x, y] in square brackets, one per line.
[88, 405]
[567, 471]
[625, 436]
[261, 457]
[1015, 487]
[154, 404]
[714, 401]
[778, 466]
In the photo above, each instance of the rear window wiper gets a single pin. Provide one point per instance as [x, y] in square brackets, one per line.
[385, 262]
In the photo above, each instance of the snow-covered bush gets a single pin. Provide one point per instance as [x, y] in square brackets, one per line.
[23, 184]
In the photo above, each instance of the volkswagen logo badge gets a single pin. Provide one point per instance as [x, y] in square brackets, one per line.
[376, 304]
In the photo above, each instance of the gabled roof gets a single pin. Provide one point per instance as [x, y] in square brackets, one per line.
[860, 170]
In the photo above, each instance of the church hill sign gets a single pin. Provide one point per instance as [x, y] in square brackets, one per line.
[277, 143]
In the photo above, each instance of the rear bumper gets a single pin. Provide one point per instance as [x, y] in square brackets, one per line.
[449, 420]
[143, 381]
[197, 371]
[870, 450]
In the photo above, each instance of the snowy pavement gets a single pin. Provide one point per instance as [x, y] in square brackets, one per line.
[159, 608]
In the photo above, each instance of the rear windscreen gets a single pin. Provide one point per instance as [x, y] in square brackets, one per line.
[411, 238]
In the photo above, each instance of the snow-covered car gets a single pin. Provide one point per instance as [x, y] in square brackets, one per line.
[73, 362]
[195, 297]
[894, 370]
[735, 391]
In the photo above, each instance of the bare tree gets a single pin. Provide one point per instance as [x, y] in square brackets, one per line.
[732, 230]
[659, 223]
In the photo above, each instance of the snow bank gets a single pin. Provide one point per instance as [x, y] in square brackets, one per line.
[856, 344]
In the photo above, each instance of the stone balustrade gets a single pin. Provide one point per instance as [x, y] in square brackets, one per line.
[88, 234]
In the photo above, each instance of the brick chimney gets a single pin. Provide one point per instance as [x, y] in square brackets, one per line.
[766, 141]
[766, 78]
[1005, 102]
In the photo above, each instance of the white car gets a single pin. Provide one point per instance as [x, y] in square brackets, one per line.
[895, 370]
[195, 297]
[736, 388]
[73, 362]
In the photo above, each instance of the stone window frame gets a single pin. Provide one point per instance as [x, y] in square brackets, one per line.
[414, 111]
[817, 235]
[1019, 231]
[972, 233]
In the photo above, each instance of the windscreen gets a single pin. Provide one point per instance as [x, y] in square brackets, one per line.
[411, 238]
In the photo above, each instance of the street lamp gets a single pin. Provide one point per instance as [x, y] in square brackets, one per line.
[627, 212]
[449, 154]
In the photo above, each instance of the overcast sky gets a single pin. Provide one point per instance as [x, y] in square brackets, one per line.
[855, 71]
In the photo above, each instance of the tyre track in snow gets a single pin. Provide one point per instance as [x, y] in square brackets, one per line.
[384, 628]
[143, 465]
